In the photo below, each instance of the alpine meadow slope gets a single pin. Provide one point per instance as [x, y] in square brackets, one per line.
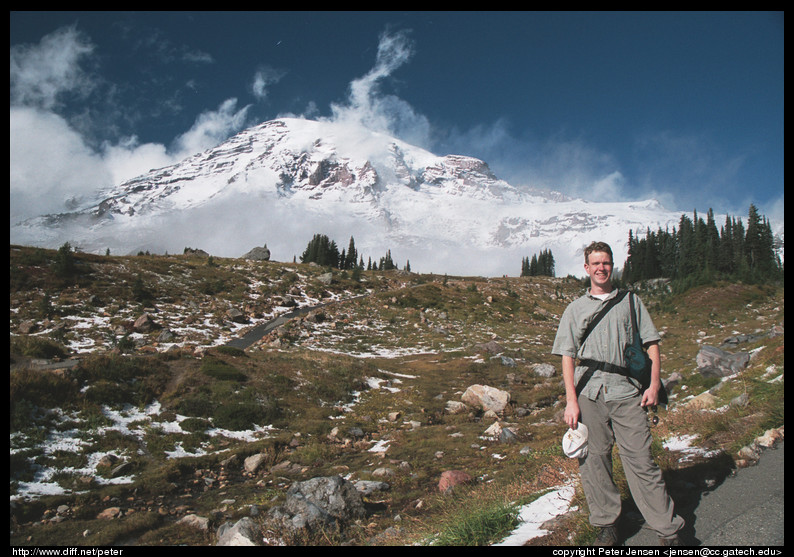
[281, 182]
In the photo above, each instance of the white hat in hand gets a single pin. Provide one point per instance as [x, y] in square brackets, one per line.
[574, 442]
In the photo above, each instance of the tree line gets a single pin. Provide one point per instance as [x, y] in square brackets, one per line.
[697, 252]
[324, 251]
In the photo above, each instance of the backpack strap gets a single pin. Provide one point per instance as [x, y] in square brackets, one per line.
[593, 322]
[600, 315]
[634, 327]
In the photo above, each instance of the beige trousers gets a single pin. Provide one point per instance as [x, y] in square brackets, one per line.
[625, 422]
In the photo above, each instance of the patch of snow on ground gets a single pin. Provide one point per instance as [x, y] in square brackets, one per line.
[532, 516]
[380, 447]
[73, 441]
[683, 445]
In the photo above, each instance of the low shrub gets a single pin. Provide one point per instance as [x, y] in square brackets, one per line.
[218, 369]
[194, 425]
[195, 405]
[37, 347]
[245, 415]
[30, 389]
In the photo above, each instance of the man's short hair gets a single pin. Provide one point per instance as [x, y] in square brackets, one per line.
[597, 246]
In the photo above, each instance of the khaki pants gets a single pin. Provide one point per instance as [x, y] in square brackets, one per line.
[624, 422]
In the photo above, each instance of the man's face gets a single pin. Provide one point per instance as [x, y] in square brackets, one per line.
[599, 269]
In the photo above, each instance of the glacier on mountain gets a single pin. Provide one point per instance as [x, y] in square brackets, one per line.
[283, 181]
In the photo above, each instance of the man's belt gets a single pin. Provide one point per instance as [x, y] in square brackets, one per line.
[604, 366]
[592, 366]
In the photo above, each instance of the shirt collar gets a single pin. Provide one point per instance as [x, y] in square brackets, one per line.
[611, 295]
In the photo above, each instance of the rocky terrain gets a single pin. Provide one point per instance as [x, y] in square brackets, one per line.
[368, 419]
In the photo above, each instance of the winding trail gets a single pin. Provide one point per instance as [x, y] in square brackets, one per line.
[261, 330]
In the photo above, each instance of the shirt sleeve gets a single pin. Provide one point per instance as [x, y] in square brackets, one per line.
[648, 332]
[565, 340]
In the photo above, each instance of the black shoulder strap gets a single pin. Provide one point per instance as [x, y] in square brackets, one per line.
[633, 319]
[600, 315]
[609, 305]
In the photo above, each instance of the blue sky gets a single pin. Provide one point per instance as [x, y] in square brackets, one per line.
[684, 107]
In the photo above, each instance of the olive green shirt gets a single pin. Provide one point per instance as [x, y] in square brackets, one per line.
[606, 343]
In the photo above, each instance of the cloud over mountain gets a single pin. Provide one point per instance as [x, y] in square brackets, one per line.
[283, 181]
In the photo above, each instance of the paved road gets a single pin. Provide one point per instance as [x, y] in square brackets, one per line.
[746, 509]
[261, 330]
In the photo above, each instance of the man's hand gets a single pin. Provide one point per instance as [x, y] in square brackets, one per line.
[571, 415]
[651, 395]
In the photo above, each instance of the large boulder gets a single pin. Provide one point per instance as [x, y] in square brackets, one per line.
[258, 254]
[236, 316]
[452, 478]
[544, 370]
[714, 362]
[145, 324]
[244, 532]
[318, 503]
[254, 462]
[491, 347]
[488, 398]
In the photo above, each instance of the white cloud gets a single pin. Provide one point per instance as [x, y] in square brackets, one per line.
[210, 128]
[40, 74]
[575, 168]
[692, 166]
[609, 188]
[128, 158]
[263, 79]
[53, 167]
[366, 105]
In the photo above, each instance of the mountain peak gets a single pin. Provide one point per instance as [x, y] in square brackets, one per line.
[282, 181]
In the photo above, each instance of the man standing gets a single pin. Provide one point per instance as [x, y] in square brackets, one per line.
[610, 404]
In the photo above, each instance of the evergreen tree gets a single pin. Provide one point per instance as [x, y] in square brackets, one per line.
[686, 263]
[771, 262]
[740, 266]
[321, 250]
[628, 267]
[697, 252]
[668, 248]
[540, 265]
[352, 255]
[386, 262]
[651, 260]
[725, 256]
[759, 248]
[712, 242]
[758, 245]
[65, 266]
[546, 263]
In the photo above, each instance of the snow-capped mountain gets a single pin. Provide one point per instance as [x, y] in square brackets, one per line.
[283, 181]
